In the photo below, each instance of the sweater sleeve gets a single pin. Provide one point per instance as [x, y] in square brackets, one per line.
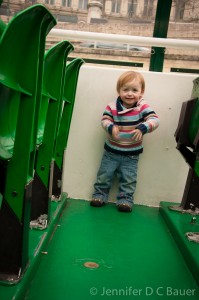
[107, 121]
[150, 120]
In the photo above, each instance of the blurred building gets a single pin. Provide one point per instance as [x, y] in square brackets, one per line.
[129, 17]
[107, 11]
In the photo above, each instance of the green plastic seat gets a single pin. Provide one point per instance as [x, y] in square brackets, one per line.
[2, 27]
[54, 68]
[71, 80]
[51, 104]
[27, 31]
[187, 137]
[195, 90]
[9, 107]
[194, 124]
[22, 48]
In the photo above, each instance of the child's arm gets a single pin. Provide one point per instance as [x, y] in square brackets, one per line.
[151, 120]
[115, 132]
[108, 124]
[107, 121]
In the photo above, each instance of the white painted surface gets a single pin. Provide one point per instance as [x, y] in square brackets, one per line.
[162, 170]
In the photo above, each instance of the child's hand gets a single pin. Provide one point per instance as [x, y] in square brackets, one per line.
[115, 132]
[137, 135]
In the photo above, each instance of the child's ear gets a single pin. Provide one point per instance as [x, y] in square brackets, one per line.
[142, 93]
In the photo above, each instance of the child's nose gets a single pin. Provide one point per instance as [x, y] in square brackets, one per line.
[130, 92]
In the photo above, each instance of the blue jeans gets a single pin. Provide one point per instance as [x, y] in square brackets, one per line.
[125, 167]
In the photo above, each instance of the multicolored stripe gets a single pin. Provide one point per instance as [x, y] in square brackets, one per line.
[140, 117]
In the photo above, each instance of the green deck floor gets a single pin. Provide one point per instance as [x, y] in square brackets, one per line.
[136, 254]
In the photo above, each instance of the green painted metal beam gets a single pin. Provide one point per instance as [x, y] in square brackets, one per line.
[160, 31]
[184, 70]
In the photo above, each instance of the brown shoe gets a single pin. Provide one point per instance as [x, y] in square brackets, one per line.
[123, 207]
[97, 202]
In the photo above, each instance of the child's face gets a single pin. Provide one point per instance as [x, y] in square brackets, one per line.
[130, 93]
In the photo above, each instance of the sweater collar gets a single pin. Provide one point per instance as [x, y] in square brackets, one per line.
[121, 109]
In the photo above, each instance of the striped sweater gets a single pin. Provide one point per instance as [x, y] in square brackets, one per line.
[141, 116]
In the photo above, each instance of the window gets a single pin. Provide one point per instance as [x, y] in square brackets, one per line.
[51, 2]
[148, 8]
[83, 4]
[180, 9]
[66, 3]
[132, 7]
[116, 6]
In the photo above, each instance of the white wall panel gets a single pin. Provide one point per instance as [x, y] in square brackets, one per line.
[162, 170]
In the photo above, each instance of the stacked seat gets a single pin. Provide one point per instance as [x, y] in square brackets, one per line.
[187, 137]
[32, 97]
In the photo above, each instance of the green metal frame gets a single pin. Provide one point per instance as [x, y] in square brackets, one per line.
[160, 31]
[183, 70]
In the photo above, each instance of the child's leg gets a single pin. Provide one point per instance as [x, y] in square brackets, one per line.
[127, 173]
[105, 176]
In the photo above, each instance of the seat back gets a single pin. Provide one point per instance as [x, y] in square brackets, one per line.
[70, 85]
[54, 67]
[54, 70]
[27, 31]
[22, 46]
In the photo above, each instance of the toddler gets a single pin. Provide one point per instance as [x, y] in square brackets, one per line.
[126, 121]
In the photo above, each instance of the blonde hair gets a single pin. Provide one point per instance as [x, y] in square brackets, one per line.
[130, 76]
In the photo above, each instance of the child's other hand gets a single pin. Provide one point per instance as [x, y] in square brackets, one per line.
[115, 132]
[137, 135]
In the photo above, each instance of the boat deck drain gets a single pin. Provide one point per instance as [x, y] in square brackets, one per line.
[91, 265]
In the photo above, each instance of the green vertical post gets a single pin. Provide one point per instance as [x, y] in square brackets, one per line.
[160, 31]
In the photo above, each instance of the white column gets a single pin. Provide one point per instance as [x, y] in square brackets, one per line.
[58, 3]
[74, 4]
[108, 6]
[140, 8]
[124, 8]
[94, 10]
